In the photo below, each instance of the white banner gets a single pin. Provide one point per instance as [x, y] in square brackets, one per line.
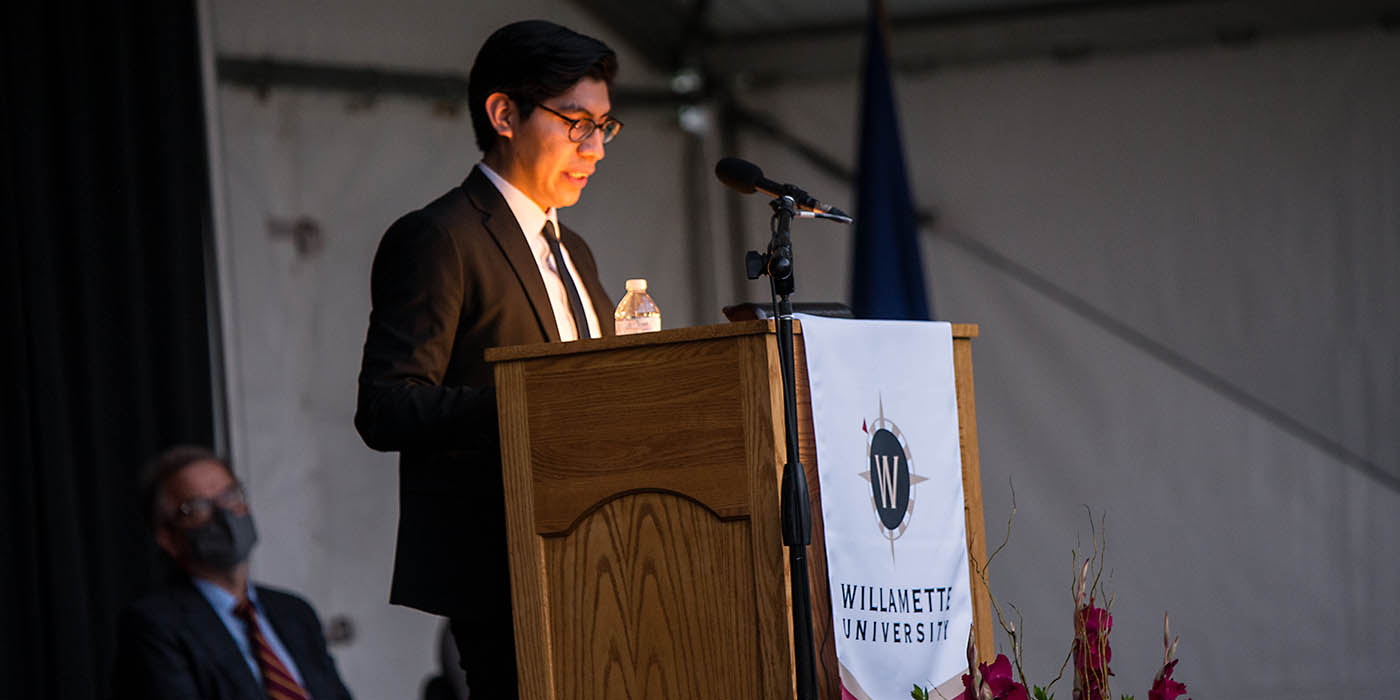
[884, 409]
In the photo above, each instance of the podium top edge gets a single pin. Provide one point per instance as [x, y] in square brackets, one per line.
[675, 335]
[663, 337]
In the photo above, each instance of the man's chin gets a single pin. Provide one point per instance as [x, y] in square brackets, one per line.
[568, 199]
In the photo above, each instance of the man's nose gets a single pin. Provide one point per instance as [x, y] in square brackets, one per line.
[592, 147]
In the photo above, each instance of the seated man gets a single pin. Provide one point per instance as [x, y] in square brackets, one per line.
[211, 633]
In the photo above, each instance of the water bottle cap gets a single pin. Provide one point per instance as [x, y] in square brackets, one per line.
[637, 285]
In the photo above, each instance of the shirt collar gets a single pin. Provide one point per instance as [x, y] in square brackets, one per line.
[222, 599]
[527, 213]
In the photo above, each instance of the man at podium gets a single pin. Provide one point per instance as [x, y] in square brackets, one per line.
[487, 264]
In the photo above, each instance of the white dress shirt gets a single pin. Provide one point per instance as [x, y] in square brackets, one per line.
[531, 219]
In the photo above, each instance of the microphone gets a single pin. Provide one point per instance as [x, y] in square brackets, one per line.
[747, 178]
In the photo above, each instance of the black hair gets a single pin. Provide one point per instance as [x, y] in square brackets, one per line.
[165, 465]
[532, 61]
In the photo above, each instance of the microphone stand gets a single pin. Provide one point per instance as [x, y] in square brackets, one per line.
[796, 505]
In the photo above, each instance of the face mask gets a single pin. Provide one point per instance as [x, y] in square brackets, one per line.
[225, 541]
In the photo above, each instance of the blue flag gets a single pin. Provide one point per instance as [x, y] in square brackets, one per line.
[887, 280]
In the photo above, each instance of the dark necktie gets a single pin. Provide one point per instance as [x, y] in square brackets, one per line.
[277, 680]
[575, 301]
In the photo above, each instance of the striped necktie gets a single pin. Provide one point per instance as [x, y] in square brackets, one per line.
[277, 680]
[571, 291]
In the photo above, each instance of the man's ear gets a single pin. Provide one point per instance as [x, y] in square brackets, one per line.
[501, 111]
[168, 543]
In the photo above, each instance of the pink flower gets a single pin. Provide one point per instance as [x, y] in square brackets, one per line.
[996, 683]
[1092, 652]
[1163, 687]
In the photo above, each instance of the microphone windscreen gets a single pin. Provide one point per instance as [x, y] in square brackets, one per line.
[738, 174]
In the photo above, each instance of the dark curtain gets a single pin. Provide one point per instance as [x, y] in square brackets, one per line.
[105, 212]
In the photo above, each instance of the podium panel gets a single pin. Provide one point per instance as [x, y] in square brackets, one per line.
[650, 594]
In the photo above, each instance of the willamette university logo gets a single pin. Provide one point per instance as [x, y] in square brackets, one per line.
[890, 471]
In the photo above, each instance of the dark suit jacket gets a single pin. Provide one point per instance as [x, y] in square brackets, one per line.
[450, 280]
[171, 644]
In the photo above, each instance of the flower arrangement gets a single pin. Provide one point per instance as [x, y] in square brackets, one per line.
[1089, 650]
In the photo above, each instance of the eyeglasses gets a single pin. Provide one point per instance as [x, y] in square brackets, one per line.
[581, 129]
[198, 510]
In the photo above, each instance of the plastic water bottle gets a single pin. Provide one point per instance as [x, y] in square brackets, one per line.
[637, 313]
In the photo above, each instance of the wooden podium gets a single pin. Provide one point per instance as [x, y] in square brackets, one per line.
[641, 481]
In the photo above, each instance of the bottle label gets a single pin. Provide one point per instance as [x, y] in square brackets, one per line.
[641, 324]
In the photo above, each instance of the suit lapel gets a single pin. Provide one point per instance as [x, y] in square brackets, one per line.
[499, 221]
[209, 631]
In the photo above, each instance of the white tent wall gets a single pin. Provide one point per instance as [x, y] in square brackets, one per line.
[1236, 209]
[295, 320]
[1240, 207]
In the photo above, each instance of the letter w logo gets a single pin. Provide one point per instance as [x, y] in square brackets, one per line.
[889, 468]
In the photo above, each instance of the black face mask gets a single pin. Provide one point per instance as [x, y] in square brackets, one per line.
[225, 541]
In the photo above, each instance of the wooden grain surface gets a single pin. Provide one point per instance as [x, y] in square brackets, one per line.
[652, 595]
[534, 656]
[772, 587]
[657, 417]
[982, 629]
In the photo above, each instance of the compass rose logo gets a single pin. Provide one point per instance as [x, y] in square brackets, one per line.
[890, 471]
